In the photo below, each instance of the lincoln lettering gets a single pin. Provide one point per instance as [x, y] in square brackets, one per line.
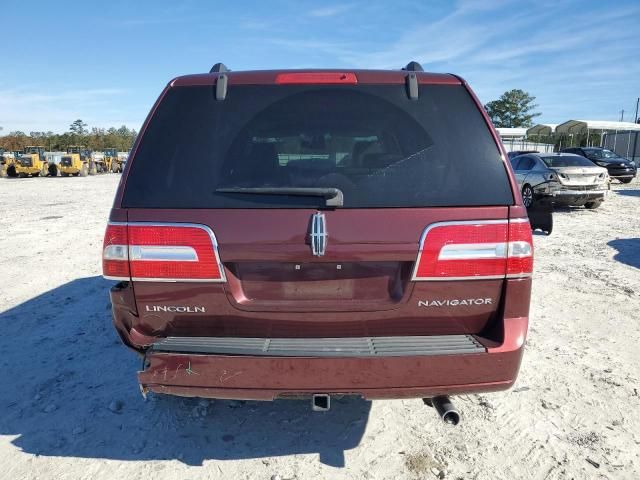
[174, 309]
[454, 302]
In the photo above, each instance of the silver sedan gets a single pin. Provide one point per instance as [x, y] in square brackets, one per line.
[561, 178]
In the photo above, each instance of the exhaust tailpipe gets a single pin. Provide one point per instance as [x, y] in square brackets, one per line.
[445, 408]
[320, 402]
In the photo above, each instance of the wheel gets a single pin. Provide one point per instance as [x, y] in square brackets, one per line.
[53, 170]
[593, 205]
[37, 174]
[11, 172]
[527, 196]
[626, 180]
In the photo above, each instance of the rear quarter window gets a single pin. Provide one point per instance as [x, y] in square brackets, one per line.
[370, 141]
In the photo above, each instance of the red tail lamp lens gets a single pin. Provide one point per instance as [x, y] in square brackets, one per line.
[475, 250]
[165, 252]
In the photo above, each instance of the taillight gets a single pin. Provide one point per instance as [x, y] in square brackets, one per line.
[520, 253]
[167, 252]
[482, 249]
[115, 257]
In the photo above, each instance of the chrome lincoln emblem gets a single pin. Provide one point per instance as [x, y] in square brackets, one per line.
[318, 234]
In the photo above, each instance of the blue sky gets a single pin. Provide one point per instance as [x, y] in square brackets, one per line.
[106, 62]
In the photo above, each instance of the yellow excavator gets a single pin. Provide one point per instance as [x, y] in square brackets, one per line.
[30, 162]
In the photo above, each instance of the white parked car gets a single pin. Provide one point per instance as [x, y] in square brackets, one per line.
[561, 178]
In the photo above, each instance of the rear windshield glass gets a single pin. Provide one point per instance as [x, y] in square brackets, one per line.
[567, 161]
[598, 154]
[373, 143]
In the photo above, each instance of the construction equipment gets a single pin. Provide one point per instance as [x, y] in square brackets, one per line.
[77, 162]
[100, 162]
[114, 162]
[6, 160]
[72, 164]
[30, 162]
[53, 161]
[10, 164]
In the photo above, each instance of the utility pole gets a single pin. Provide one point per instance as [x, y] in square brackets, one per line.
[622, 115]
[636, 115]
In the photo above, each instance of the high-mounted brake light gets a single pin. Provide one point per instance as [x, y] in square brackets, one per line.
[317, 77]
[484, 249]
[161, 252]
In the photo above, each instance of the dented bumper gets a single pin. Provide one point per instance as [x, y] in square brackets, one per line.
[263, 377]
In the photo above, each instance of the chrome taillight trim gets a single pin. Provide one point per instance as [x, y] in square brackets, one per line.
[119, 279]
[151, 253]
[472, 251]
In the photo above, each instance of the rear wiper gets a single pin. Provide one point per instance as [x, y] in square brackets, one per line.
[333, 196]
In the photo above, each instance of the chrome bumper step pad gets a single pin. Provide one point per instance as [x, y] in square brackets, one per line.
[322, 347]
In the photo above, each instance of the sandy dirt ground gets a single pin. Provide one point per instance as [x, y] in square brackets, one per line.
[70, 406]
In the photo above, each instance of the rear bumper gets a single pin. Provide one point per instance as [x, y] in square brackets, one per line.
[580, 193]
[570, 197]
[263, 377]
[623, 173]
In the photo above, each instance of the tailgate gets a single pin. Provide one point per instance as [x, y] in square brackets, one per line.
[276, 286]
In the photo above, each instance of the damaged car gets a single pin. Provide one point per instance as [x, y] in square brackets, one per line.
[311, 234]
[561, 179]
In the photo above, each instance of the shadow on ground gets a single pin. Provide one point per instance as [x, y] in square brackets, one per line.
[629, 192]
[69, 389]
[628, 251]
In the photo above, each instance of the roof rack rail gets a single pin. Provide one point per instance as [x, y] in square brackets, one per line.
[218, 68]
[413, 66]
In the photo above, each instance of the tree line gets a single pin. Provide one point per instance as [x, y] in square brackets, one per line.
[96, 139]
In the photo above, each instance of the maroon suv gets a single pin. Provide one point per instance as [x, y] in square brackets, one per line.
[313, 233]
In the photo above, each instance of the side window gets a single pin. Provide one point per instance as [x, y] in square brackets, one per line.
[526, 164]
[514, 162]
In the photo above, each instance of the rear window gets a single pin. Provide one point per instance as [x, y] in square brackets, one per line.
[559, 161]
[377, 146]
[599, 153]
